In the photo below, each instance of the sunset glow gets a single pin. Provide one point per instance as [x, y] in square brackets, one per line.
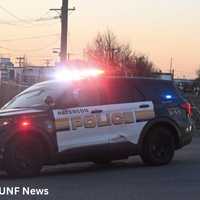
[160, 29]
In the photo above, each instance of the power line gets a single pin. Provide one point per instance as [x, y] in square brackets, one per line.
[33, 21]
[7, 23]
[29, 38]
[27, 21]
[36, 55]
[30, 50]
[13, 15]
[46, 18]
[9, 13]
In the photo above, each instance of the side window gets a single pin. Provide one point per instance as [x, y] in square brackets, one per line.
[87, 95]
[122, 91]
[67, 100]
[79, 95]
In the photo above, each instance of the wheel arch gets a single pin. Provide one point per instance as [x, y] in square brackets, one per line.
[164, 122]
[38, 134]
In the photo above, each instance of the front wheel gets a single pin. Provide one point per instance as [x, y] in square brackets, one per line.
[23, 157]
[158, 147]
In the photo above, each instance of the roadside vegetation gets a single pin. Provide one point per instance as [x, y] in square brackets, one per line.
[118, 58]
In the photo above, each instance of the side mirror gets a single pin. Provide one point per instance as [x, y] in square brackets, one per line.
[49, 101]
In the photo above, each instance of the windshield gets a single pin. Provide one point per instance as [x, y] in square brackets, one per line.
[34, 97]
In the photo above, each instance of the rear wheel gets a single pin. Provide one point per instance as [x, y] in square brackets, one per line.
[23, 157]
[158, 147]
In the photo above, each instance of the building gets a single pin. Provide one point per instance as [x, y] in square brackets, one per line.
[33, 74]
[5, 65]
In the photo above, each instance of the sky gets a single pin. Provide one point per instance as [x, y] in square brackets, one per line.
[160, 29]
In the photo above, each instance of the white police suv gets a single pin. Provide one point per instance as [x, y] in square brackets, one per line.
[95, 119]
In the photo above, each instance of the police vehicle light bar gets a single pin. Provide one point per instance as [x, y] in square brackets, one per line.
[76, 74]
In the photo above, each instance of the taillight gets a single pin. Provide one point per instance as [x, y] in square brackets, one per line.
[187, 107]
[25, 123]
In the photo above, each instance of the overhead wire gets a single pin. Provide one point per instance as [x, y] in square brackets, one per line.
[30, 38]
[13, 15]
[29, 50]
[27, 23]
[11, 23]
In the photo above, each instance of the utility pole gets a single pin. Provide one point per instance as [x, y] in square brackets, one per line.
[172, 71]
[47, 62]
[21, 61]
[171, 65]
[64, 30]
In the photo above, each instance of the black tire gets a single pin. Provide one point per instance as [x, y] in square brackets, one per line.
[23, 157]
[158, 147]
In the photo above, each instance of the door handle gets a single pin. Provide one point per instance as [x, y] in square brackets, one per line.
[96, 111]
[144, 106]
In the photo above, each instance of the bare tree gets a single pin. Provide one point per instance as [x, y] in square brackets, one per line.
[103, 48]
[117, 58]
[143, 66]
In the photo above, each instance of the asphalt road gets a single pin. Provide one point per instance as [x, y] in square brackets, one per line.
[123, 180]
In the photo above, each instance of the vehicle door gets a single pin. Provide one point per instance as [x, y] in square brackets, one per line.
[82, 122]
[129, 112]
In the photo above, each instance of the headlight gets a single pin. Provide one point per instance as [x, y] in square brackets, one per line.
[5, 122]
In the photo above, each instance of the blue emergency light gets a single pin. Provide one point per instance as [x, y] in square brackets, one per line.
[168, 96]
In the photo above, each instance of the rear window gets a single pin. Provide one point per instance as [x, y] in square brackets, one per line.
[118, 91]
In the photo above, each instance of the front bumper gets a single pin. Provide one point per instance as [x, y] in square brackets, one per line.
[186, 135]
